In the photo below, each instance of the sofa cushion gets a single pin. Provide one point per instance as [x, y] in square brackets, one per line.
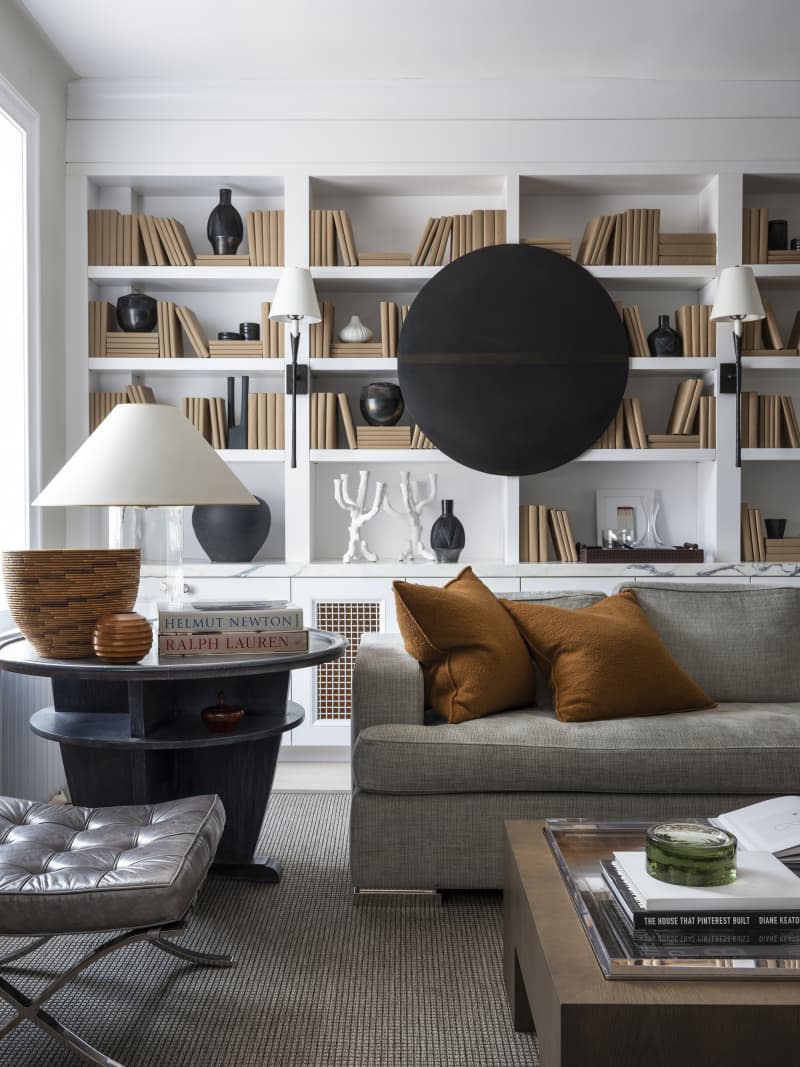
[605, 661]
[734, 748]
[474, 661]
[738, 642]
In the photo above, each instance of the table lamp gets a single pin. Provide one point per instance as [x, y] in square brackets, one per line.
[144, 456]
[737, 301]
[295, 300]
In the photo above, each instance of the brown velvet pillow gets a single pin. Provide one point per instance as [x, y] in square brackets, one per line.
[605, 661]
[473, 658]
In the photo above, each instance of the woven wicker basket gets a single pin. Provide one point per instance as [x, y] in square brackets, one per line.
[56, 596]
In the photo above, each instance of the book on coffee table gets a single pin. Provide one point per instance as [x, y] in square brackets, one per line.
[765, 897]
[771, 825]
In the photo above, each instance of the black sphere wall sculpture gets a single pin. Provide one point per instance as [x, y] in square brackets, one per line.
[513, 360]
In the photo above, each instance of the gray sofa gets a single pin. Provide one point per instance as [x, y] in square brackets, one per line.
[430, 798]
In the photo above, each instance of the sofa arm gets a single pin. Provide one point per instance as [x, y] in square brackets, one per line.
[387, 684]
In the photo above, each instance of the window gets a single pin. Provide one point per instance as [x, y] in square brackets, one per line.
[19, 363]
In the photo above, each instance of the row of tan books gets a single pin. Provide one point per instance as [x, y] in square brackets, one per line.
[626, 429]
[167, 340]
[462, 233]
[562, 245]
[764, 337]
[122, 240]
[265, 238]
[327, 230]
[633, 238]
[754, 546]
[535, 521]
[693, 323]
[685, 406]
[754, 235]
[768, 421]
[101, 402]
[266, 420]
[393, 317]
[384, 259]
[782, 549]
[325, 410]
[208, 416]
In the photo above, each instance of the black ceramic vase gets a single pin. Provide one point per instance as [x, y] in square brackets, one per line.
[136, 313]
[447, 535]
[231, 533]
[381, 403]
[664, 341]
[225, 229]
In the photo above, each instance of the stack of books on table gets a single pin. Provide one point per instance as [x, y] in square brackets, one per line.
[219, 629]
[760, 907]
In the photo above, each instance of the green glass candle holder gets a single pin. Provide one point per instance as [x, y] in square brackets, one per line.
[686, 853]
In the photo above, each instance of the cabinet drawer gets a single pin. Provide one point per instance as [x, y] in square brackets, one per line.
[221, 589]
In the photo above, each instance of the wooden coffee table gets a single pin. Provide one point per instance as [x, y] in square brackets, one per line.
[555, 986]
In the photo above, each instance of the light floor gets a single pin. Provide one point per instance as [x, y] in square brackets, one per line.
[310, 777]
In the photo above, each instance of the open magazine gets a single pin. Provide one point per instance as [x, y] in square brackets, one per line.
[769, 826]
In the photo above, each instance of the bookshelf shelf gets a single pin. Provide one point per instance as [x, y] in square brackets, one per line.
[359, 365]
[649, 455]
[372, 279]
[770, 455]
[188, 279]
[378, 455]
[780, 363]
[252, 455]
[187, 365]
[654, 277]
[684, 365]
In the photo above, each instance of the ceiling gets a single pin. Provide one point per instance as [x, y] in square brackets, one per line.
[357, 40]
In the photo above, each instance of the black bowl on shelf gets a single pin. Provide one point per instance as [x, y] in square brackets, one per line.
[381, 403]
[137, 313]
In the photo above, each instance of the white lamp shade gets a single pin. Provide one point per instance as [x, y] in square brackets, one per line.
[737, 297]
[295, 297]
[146, 455]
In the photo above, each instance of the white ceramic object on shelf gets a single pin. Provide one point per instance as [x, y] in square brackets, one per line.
[357, 547]
[355, 332]
[413, 503]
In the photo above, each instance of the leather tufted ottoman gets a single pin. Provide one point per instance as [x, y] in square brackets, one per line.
[66, 869]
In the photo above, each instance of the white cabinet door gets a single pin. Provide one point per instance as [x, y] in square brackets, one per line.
[351, 606]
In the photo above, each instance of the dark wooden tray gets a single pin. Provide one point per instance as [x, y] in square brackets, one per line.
[593, 554]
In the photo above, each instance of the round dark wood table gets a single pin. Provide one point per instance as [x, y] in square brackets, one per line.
[134, 735]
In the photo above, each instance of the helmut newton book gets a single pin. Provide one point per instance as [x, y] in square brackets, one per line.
[257, 616]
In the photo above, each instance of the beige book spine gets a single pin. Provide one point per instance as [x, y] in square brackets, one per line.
[555, 533]
[281, 238]
[349, 236]
[321, 420]
[441, 248]
[524, 527]
[747, 535]
[759, 531]
[544, 551]
[252, 420]
[251, 239]
[533, 534]
[393, 330]
[638, 418]
[477, 229]
[347, 420]
[384, 308]
[573, 550]
[771, 323]
[588, 240]
[500, 226]
[261, 420]
[280, 421]
[680, 405]
[762, 237]
[273, 240]
[271, 420]
[266, 307]
[419, 255]
[327, 329]
[331, 422]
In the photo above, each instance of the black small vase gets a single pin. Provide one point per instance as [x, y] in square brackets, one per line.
[381, 403]
[447, 535]
[137, 313]
[664, 341]
[225, 229]
[231, 533]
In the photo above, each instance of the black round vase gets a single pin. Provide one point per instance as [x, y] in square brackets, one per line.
[136, 313]
[224, 229]
[381, 403]
[447, 535]
[664, 341]
[231, 533]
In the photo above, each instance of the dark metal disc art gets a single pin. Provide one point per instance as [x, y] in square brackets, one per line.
[513, 360]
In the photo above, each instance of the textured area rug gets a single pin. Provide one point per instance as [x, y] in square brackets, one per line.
[319, 982]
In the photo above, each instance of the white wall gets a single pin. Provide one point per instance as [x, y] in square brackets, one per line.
[38, 73]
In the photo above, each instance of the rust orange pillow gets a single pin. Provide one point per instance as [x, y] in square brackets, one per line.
[473, 659]
[605, 661]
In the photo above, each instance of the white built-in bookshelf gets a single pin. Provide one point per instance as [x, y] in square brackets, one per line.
[699, 490]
